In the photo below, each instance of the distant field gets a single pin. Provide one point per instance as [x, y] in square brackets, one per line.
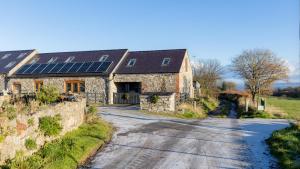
[288, 105]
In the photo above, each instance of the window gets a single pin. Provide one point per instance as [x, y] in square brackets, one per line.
[52, 60]
[10, 64]
[82, 87]
[6, 56]
[166, 61]
[21, 55]
[131, 62]
[103, 58]
[75, 86]
[70, 59]
[16, 88]
[38, 85]
[33, 61]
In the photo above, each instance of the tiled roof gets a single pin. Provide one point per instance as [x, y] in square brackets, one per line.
[151, 62]
[9, 59]
[85, 56]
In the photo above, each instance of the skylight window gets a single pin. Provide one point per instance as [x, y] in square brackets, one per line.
[10, 64]
[21, 55]
[52, 60]
[103, 58]
[166, 62]
[33, 61]
[70, 59]
[6, 56]
[131, 62]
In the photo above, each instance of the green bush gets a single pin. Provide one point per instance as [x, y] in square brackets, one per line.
[30, 144]
[91, 114]
[2, 137]
[48, 94]
[67, 152]
[22, 162]
[285, 145]
[154, 98]
[50, 126]
[9, 110]
[30, 122]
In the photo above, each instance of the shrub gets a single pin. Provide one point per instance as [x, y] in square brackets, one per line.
[50, 126]
[125, 96]
[30, 122]
[154, 98]
[9, 110]
[189, 111]
[30, 144]
[91, 114]
[2, 137]
[34, 106]
[48, 94]
[68, 151]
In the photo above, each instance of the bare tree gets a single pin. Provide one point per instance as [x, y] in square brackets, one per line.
[259, 68]
[228, 85]
[207, 73]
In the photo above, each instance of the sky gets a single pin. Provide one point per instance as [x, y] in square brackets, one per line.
[209, 29]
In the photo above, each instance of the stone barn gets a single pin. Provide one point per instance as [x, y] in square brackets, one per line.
[105, 74]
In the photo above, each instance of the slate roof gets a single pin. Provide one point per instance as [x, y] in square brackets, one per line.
[13, 58]
[151, 62]
[85, 56]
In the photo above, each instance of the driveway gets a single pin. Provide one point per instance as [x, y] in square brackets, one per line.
[146, 141]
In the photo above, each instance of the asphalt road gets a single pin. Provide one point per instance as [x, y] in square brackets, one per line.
[146, 141]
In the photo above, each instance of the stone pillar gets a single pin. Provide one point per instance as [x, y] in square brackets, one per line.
[111, 91]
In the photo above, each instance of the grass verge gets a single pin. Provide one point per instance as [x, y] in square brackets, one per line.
[187, 111]
[73, 149]
[290, 106]
[277, 107]
[285, 146]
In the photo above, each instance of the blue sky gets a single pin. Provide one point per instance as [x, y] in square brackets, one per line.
[218, 29]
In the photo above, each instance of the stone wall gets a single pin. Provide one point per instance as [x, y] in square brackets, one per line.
[72, 114]
[4, 98]
[159, 82]
[92, 84]
[165, 103]
[186, 77]
[2, 82]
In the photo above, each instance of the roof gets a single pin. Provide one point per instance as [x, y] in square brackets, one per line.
[151, 62]
[12, 58]
[114, 56]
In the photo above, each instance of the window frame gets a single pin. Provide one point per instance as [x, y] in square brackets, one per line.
[10, 64]
[73, 83]
[52, 60]
[133, 61]
[69, 59]
[21, 55]
[168, 60]
[103, 58]
[5, 56]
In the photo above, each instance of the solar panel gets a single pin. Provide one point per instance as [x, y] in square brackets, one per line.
[66, 67]
[104, 67]
[23, 69]
[39, 69]
[56, 68]
[75, 67]
[94, 67]
[48, 68]
[84, 67]
[31, 69]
